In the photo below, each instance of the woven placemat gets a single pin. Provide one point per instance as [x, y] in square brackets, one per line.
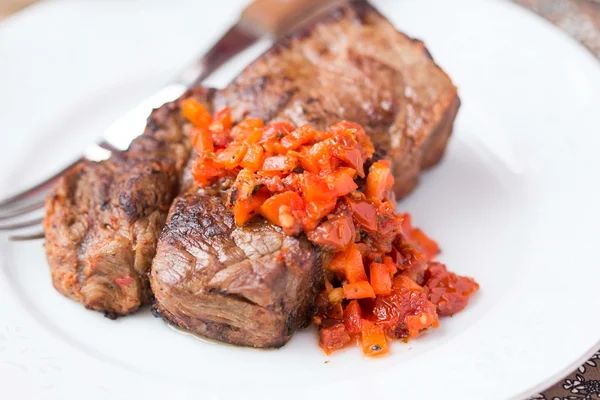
[581, 20]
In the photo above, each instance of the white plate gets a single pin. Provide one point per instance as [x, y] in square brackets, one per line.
[514, 204]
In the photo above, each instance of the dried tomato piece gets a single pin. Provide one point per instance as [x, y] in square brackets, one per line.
[448, 291]
[334, 337]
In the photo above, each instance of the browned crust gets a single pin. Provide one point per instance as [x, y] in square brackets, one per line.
[103, 219]
[197, 252]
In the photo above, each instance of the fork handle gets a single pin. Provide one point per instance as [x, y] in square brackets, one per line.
[275, 17]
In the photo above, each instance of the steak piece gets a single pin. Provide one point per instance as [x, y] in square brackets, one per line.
[103, 219]
[252, 285]
[249, 285]
[354, 65]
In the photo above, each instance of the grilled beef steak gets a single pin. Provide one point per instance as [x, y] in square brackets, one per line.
[252, 285]
[249, 285]
[103, 219]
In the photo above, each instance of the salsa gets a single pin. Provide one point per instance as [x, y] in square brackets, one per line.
[381, 278]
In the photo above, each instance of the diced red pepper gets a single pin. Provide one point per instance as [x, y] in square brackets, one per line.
[359, 290]
[253, 158]
[246, 128]
[202, 140]
[279, 164]
[195, 112]
[231, 156]
[222, 120]
[298, 137]
[272, 209]
[318, 159]
[247, 208]
[205, 171]
[341, 182]
[374, 342]
[277, 130]
[359, 134]
[380, 279]
[390, 265]
[428, 247]
[379, 180]
[320, 199]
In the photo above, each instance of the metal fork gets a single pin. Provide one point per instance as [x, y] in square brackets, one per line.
[262, 18]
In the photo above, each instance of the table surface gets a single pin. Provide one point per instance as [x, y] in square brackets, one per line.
[581, 20]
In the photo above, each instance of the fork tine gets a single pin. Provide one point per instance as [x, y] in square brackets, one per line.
[37, 190]
[22, 211]
[24, 238]
[21, 225]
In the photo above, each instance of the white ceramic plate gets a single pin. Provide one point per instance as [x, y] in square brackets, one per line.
[514, 204]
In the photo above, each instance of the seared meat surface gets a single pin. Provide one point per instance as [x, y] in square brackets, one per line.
[249, 285]
[252, 285]
[103, 219]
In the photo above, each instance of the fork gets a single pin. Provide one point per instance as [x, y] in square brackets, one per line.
[262, 18]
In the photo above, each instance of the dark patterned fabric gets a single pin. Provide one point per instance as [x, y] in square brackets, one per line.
[581, 20]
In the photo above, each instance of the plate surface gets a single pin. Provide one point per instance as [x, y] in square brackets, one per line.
[514, 204]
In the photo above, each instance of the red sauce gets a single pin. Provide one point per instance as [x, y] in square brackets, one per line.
[381, 280]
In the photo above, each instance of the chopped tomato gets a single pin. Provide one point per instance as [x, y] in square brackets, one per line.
[351, 157]
[379, 180]
[336, 233]
[253, 158]
[358, 290]
[406, 311]
[380, 279]
[353, 317]
[365, 213]
[195, 112]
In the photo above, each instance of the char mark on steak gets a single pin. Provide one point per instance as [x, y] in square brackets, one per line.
[103, 219]
[252, 285]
